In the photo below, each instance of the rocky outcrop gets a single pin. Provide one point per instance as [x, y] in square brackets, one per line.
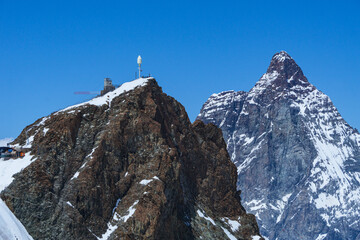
[128, 165]
[298, 160]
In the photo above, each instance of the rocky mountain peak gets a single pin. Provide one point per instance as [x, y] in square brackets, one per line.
[127, 165]
[282, 77]
[281, 56]
[283, 62]
[286, 70]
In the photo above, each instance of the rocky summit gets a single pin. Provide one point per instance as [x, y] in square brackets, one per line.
[127, 165]
[298, 160]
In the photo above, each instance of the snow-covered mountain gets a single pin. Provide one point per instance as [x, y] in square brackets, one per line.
[298, 160]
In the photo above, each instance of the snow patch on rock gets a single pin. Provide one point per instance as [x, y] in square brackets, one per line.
[202, 215]
[228, 234]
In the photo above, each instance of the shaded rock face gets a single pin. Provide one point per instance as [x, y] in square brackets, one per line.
[298, 160]
[134, 168]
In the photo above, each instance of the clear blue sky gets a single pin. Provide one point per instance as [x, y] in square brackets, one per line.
[50, 49]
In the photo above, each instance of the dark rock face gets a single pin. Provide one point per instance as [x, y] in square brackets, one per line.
[298, 160]
[133, 168]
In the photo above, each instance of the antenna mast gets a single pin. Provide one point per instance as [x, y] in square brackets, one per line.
[139, 61]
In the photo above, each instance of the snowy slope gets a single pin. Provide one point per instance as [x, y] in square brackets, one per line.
[12, 166]
[10, 227]
[298, 160]
[5, 141]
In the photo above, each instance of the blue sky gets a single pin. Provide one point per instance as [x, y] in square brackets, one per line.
[50, 49]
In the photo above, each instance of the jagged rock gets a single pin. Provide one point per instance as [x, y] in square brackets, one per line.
[298, 160]
[128, 165]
